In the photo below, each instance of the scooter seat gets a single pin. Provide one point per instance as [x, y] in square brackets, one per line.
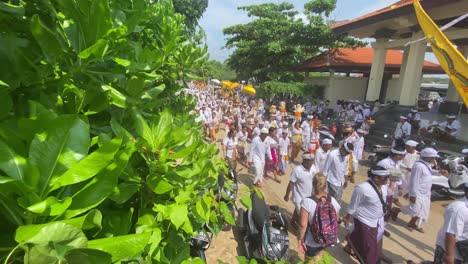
[259, 211]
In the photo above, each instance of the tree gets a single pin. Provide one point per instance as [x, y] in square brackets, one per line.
[217, 70]
[100, 161]
[277, 39]
[192, 10]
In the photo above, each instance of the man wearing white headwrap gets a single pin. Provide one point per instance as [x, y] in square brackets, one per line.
[402, 131]
[336, 170]
[392, 163]
[258, 151]
[300, 183]
[306, 131]
[420, 190]
[408, 161]
[367, 210]
[322, 153]
[448, 129]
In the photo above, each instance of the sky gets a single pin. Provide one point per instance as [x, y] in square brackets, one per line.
[223, 13]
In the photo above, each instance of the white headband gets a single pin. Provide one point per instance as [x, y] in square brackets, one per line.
[398, 152]
[380, 172]
[347, 148]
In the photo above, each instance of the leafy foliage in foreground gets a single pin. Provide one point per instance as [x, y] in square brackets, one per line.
[99, 160]
[277, 39]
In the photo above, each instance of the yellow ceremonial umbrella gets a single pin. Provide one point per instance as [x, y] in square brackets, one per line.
[249, 89]
[229, 85]
[450, 59]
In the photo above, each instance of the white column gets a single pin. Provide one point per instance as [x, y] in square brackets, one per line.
[412, 74]
[452, 93]
[377, 71]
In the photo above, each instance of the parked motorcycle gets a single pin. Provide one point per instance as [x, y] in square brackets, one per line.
[458, 175]
[264, 231]
[200, 243]
[228, 193]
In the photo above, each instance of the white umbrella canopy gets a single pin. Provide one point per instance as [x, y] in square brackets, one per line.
[216, 81]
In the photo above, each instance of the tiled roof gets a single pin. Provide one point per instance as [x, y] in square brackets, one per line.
[361, 60]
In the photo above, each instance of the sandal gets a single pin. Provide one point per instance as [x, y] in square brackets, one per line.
[276, 180]
[419, 229]
[349, 250]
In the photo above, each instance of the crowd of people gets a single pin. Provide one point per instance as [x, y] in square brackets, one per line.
[268, 140]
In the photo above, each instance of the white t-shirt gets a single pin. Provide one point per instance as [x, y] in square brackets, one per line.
[230, 145]
[456, 223]
[305, 127]
[302, 180]
[320, 158]
[365, 204]
[336, 167]
[283, 146]
[310, 205]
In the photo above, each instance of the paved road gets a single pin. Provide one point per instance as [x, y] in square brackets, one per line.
[401, 246]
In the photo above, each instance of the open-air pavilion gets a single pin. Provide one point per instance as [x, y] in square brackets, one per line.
[392, 28]
[349, 71]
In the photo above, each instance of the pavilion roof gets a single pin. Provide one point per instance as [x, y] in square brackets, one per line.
[359, 60]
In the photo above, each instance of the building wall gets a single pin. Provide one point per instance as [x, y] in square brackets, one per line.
[393, 90]
[346, 88]
[341, 87]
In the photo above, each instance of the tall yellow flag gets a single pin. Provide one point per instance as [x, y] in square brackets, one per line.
[450, 59]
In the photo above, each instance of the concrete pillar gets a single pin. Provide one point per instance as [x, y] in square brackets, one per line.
[377, 71]
[411, 79]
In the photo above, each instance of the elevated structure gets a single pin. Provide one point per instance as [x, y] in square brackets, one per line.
[395, 26]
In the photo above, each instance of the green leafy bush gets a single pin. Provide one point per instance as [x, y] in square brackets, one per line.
[99, 160]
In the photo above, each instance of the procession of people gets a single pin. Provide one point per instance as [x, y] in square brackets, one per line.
[324, 158]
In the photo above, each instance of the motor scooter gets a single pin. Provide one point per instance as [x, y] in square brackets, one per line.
[228, 193]
[264, 231]
[453, 184]
[200, 243]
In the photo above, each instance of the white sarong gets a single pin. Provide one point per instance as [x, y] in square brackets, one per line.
[419, 209]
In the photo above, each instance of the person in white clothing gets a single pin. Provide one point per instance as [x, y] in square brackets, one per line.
[402, 131]
[367, 210]
[447, 130]
[454, 229]
[258, 151]
[306, 131]
[322, 153]
[296, 140]
[336, 170]
[359, 145]
[420, 190]
[300, 183]
[230, 148]
[408, 161]
[313, 251]
[414, 118]
[392, 163]
[283, 143]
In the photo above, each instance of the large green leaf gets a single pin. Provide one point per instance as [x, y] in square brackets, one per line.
[100, 187]
[98, 50]
[89, 166]
[51, 206]
[51, 242]
[47, 39]
[178, 214]
[89, 221]
[61, 146]
[87, 256]
[122, 247]
[10, 162]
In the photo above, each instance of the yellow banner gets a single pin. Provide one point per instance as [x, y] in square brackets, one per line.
[449, 57]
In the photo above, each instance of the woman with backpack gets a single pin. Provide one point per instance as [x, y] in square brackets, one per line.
[318, 226]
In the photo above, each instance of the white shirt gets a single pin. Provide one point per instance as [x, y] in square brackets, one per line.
[302, 180]
[365, 204]
[295, 133]
[310, 205]
[366, 112]
[336, 167]
[402, 130]
[415, 116]
[241, 136]
[283, 146]
[456, 223]
[455, 127]
[409, 160]
[305, 127]
[256, 132]
[420, 182]
[258, 150]
[320, 158]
